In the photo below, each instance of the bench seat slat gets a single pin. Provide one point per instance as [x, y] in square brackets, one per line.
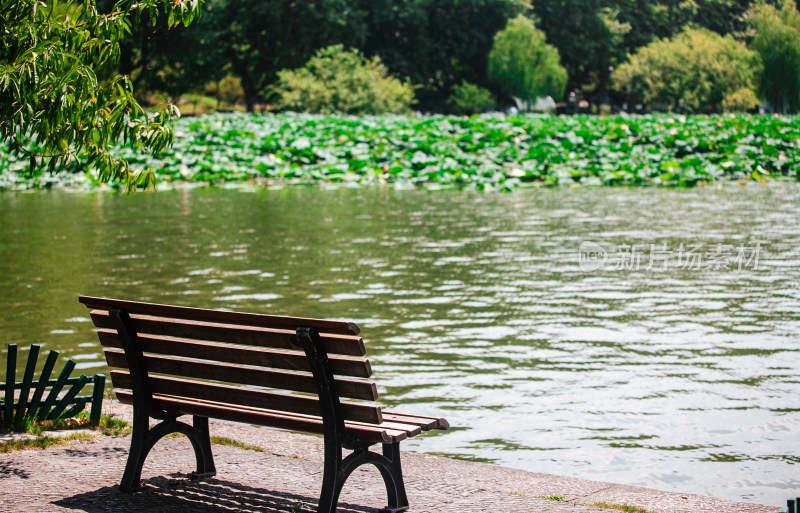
[295, 422]
[426, 423]
[234, 395]
[221, 316]
[295, 360]
[269, 378]
[231, 333]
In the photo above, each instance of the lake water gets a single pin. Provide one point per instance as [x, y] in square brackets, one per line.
[640, 336]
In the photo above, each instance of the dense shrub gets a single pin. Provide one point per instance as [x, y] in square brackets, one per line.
[469, 98]
[339, 80]
[696, 71]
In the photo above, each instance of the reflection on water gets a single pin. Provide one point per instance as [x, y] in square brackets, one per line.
[474, 306]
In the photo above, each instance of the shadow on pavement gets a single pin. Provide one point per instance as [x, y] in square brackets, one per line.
[7, 470]
[178, 493]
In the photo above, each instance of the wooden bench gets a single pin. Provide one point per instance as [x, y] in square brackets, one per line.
[284, 372]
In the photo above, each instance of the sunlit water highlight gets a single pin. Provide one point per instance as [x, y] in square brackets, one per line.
[474, 306]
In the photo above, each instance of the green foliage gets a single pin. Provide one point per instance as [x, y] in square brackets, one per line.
[255, 39]
[228, 89]
[777, 41]
[193, 104]
[593, 35]
[470, 99]
[696, 71]
[339, 80]
[626, 508]
[525, 64]
[54, 107]
[556, 498]
[435, 43]
[579, 30]
[220, 440]
[41, 442]
[491, 152]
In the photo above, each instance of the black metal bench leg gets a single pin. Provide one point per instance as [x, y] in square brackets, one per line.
[202, 449]
[393, 478]
[333, 477]
[137, 452]
[337, 472]
[144, 438]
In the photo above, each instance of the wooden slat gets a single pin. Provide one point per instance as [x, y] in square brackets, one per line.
[295, 422]
[409, 429]
[232, 334]
[294, 360]
[285, 380]
[220, 316]
[426, 423]
[233, 395]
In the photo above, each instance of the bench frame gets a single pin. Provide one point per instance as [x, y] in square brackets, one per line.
[336, 438]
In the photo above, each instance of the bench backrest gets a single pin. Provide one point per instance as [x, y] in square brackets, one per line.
[208, 355]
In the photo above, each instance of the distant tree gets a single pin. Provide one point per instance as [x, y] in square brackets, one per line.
[437, 44]
[696, 71]
[595, 36]
[53, 107]
[576, 28]
[777, 41]
[338, 80]
[525, 65]
[258, 38]
[169, 60]
[722, 16]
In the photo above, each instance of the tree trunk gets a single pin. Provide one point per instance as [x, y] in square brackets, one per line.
[250, 94]
[241, 67]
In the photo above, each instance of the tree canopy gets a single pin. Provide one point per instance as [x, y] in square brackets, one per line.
[777, 41]
[56, 102]
[695, 71]
[338, 80]
[526, 66]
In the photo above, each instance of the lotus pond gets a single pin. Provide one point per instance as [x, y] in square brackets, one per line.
[481, 152]
[670, 362]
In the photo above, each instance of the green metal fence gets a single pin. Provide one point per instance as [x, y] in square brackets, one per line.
[35, 402]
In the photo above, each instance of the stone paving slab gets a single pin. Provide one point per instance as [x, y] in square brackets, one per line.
[83, 476]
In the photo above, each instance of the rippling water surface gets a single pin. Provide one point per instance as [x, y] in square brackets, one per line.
[479, 307]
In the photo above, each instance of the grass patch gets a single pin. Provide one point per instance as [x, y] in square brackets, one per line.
[41, 442]
[620, 507]
[627, 508]
[109, 426]
[35, 427]
[298, 506]
[219, 440]
[557, 498]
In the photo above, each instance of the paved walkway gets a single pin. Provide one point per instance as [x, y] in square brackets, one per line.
[83, 476]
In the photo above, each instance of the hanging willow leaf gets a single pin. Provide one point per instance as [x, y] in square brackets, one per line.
[57, 104]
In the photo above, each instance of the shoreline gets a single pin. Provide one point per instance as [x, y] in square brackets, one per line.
[284, 474]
